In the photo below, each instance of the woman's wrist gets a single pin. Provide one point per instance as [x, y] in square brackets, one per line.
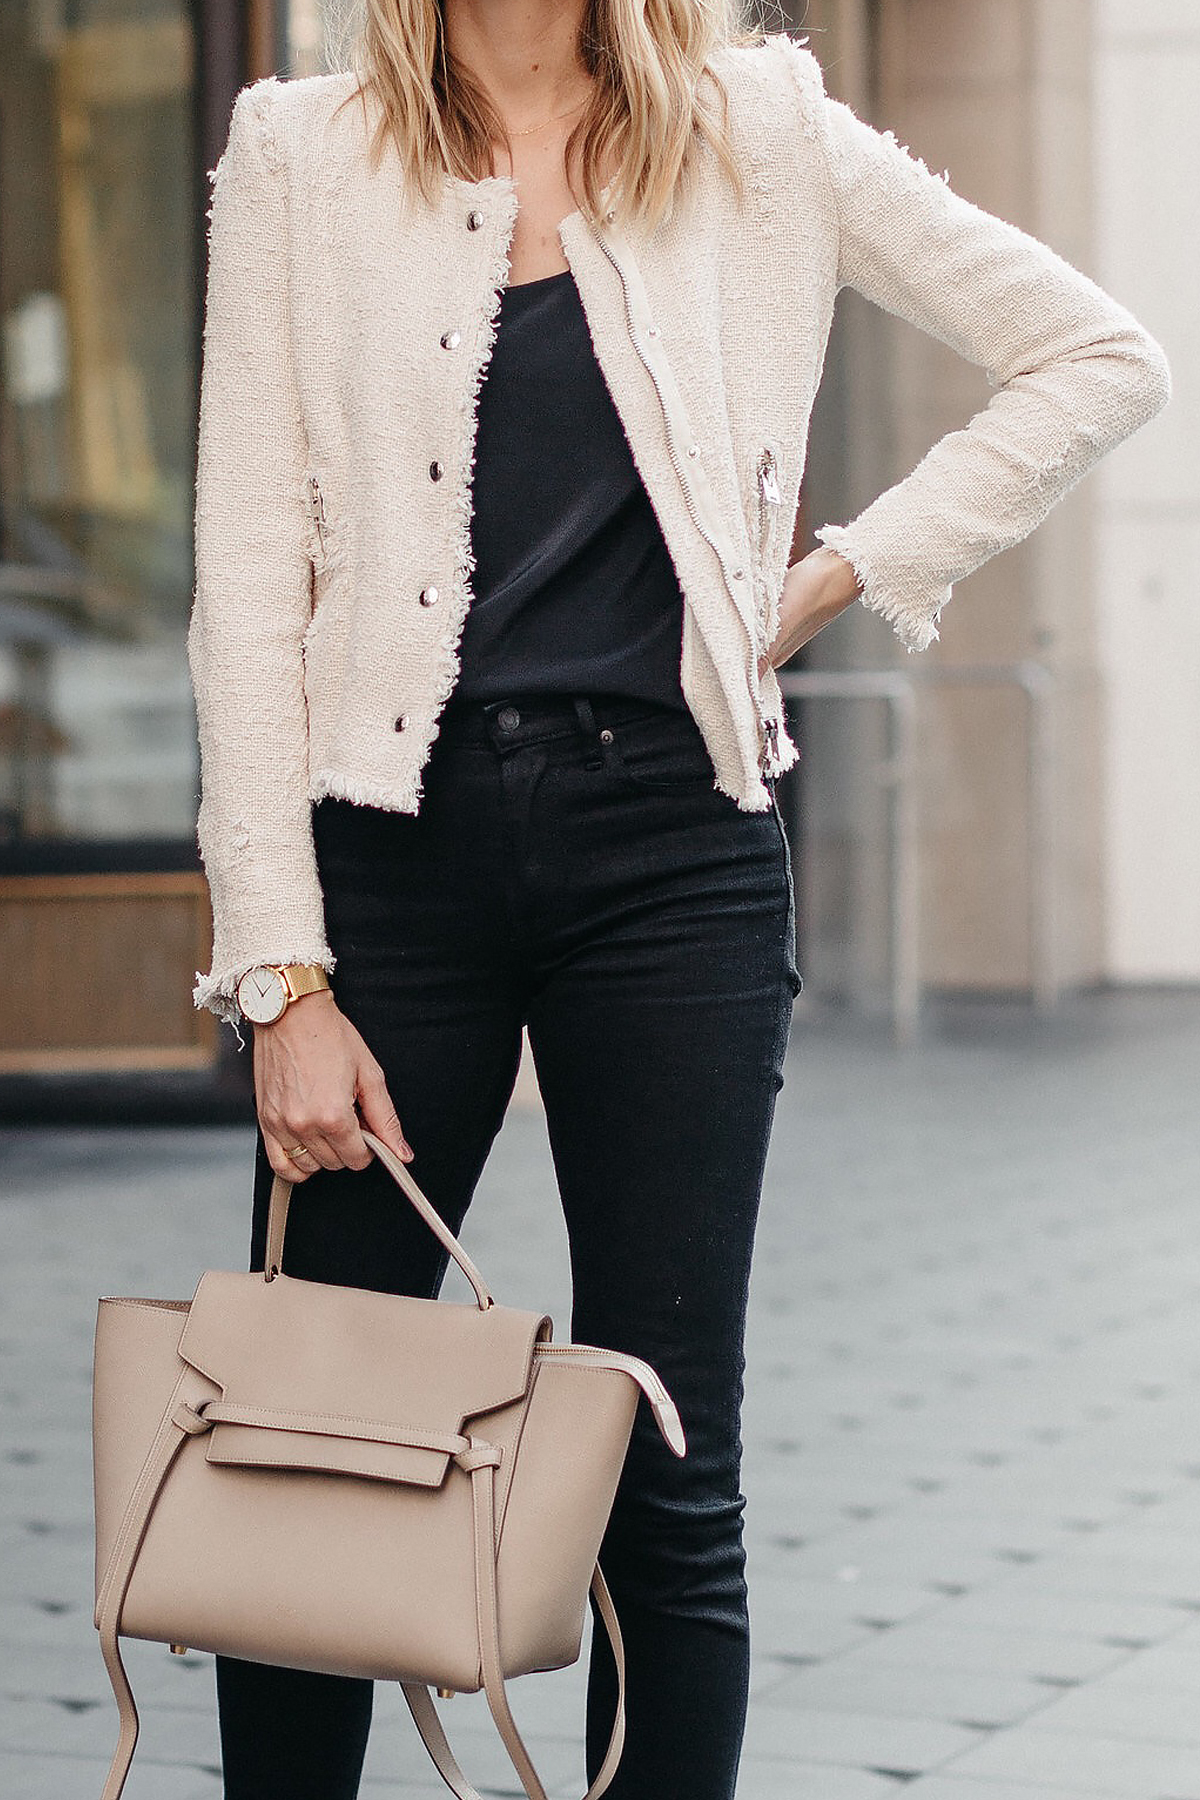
[815, 591]
[843, 584]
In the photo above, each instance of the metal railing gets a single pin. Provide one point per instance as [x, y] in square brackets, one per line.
[898, 691]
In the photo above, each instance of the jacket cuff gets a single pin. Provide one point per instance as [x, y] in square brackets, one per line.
[912, 607]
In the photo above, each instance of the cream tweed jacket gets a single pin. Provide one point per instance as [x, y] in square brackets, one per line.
[346, 337]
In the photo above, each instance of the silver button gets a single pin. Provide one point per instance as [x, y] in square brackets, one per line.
[739, 574]
[474, 220]
[436, 471]
[606, 736]
[693, 449]
[611, 214]
[653, 331]
[428, 596]
[450, 340]
[401, 722]
[508, 718]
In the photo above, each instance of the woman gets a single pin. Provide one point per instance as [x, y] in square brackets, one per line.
[509, 360]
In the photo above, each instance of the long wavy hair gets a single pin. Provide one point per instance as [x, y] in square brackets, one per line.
[654, 96]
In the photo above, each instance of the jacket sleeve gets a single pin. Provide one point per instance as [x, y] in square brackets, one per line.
[253, 593]
[1075, 373]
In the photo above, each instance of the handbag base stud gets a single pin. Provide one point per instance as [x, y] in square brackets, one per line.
[446, 1693]
[179, 1649]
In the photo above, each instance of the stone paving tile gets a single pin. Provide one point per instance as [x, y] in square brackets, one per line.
[953, 1695]
[971, 1459]
[777, 1591]
[48, 1777]
[1172, 1577]
[1134, 1768]
[878, 1741]
[169, 1736]
[953, 1787]
[1164, 1715]
[1173, 1664]
[1077, 1615]
[761, 1778]
[1046, 1656]
[75, 1675]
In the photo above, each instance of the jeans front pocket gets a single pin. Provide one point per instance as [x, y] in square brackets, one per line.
[663, 751]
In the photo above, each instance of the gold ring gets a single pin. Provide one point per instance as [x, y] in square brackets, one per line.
[295, 1147]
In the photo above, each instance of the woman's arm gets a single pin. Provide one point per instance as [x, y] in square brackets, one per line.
[253, 581]
[1075, 371]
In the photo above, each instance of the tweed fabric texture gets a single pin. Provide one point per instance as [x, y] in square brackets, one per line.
[347, 330]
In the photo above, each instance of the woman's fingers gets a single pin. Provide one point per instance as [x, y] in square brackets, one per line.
[378, 1113]
[284, 1156]
[306, 1078]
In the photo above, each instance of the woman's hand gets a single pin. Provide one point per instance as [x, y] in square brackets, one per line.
[310, 1067]
[815, 591]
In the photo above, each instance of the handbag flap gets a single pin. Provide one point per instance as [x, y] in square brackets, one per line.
[360, 1366]
[355, 1447]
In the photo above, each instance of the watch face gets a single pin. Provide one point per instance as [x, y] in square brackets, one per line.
[261, 995]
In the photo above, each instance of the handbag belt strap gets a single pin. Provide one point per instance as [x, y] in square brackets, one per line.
[180, 1422]
[184, 1419]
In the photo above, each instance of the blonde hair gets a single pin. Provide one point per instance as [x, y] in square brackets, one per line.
[647, 60]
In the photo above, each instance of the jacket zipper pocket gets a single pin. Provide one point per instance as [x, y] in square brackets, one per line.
[768, 484]
[316, 502]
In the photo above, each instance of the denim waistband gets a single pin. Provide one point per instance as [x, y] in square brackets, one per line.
[530, 718]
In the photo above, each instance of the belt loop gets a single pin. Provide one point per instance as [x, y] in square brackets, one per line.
[587, 725]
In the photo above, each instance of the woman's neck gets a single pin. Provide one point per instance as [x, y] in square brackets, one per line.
[524, 53]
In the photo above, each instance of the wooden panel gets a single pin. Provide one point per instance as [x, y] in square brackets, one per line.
[96, 972]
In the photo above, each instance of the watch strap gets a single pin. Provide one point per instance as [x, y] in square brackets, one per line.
[302, 978]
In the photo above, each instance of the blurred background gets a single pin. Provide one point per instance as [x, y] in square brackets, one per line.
[1010, 815]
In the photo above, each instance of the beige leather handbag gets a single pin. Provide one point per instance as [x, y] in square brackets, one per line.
[364, 1484]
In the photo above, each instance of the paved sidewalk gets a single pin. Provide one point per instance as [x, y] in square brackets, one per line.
[972, 1431]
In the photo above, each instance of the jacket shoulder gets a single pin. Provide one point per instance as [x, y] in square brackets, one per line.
[776, 93]
[287, 110]
[776, 65]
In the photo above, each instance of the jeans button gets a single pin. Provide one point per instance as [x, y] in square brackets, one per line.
[508, 718]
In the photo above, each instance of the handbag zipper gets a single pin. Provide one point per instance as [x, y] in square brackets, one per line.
[665, 1411]
[768, 727]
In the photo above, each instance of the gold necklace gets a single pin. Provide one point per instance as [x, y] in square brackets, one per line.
[530, 129]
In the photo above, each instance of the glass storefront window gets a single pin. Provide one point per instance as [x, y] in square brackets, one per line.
[98, 322]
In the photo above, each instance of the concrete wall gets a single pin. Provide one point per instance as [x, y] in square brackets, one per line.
[1006, 95]
[1147, 151]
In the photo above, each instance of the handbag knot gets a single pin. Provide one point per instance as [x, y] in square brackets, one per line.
[190, 1419]
[478, 1455]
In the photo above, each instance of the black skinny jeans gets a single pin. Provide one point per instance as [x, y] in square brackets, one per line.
[572, 869]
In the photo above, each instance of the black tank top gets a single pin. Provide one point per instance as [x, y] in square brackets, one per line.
[574, 587]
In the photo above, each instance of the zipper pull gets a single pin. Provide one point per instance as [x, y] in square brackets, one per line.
[767, 754]
[317, 504]
[768, 482]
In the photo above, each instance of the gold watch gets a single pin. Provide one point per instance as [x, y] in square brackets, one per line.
[265, 993]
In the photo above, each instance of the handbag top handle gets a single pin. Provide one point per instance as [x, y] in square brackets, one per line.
[281, 1197]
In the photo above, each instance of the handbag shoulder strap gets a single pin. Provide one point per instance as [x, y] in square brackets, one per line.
[481, 1461]
[428, 1722]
